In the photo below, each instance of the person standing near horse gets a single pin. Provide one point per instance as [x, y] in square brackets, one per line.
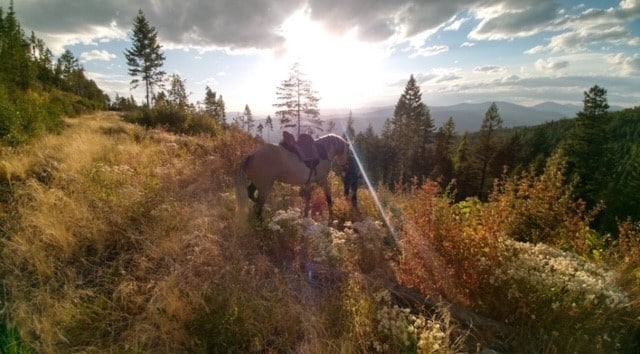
[351, 179]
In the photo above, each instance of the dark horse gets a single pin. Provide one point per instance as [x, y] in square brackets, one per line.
[271, 163]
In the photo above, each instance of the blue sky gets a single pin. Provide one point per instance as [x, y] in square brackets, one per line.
[361, 53]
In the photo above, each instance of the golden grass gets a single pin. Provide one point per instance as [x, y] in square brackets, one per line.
[120, 239]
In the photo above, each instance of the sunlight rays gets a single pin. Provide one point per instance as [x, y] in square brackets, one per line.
[343, 69]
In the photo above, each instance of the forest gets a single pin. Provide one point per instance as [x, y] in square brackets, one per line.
[119, 230]
[601, 148]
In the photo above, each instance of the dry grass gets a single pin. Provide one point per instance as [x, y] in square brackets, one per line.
[120, 239]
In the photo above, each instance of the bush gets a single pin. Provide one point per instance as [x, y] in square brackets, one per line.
[542, 209]
[26, 115]
[553, 300]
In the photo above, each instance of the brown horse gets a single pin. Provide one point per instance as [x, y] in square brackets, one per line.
[271, 163]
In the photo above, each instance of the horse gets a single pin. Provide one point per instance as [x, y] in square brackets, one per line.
[271, 163]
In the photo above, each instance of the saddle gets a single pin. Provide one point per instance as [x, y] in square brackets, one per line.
[307, 150]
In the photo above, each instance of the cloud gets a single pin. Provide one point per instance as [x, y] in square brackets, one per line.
[551, 64]
[95, 54]
[513, 18]
[629, 65]
[256, 24]
[196, 23]
[380, 20]
[455, 25]
[488, 69]
[537, 49]
[430, 51]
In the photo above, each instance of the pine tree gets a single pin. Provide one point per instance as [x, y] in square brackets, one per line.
[145, 58]
[214, 106]
[350, 132]
[15, 53]
[298, 103]
[268, 124]
[371, 153]
[465, 172]
[259, 129]
[177, 93]
[247, 119]
[487, 144]
[413, 130]
[587, 143]
[443, 159]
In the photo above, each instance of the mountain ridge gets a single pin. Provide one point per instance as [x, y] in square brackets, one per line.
[467, 116]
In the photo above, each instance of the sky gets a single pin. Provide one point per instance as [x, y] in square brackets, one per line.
[359, 53]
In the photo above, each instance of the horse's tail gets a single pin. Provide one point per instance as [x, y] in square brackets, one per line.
[241, 184]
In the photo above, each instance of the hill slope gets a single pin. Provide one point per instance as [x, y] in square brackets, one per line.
[121, 239]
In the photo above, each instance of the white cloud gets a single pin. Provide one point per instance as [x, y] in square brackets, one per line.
[513, 18]
[629, 65]
[551, 64]
[430, 51]
[455, 25]
[97, 55]
[537, 49]
[488, 69]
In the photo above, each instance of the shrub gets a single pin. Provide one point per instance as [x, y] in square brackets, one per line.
[542, 209]
[440, 246]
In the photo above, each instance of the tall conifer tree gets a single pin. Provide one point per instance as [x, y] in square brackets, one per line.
[487, 144]
[145, 57]
[412, 130]
[587, 143]
[298, 103]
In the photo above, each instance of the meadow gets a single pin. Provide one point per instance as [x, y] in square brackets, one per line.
[119, 238]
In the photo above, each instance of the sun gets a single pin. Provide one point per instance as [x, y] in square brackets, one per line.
[344, 70]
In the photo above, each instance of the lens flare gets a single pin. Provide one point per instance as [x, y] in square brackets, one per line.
[387, 221]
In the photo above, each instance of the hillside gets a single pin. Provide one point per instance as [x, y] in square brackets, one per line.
[117, 238]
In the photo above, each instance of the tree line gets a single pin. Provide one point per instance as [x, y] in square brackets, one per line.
[601, 148]
[36, 90]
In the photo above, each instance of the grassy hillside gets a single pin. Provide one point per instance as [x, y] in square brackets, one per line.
[116, 238]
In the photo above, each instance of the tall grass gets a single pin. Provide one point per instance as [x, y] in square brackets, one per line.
[117, 238]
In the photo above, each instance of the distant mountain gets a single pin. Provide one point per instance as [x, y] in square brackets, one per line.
[467, 116]
[569, 110]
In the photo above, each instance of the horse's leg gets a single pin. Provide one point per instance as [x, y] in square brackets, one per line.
[327, 193]
[305, 193]
[263, 194]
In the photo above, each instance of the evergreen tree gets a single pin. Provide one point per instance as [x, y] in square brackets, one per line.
[389, 169]
[350, 132]
[443, 159]
[587, 143]
[298, 103]
[269, 125]
[509, 155]
[465, 172]
[260, 129]
[214, 106]
[371, 153]
[15, 60]
[413, 130]
[247, 119]
[145, 58]
[177, 94]
[487, 144]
